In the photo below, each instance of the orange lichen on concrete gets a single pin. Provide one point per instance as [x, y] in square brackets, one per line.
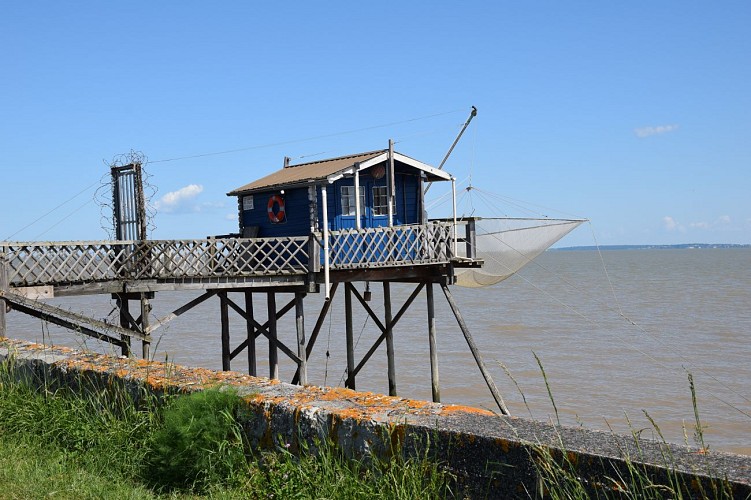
[447, 409]
[349, 404]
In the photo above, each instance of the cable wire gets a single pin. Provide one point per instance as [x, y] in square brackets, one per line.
[313, 138]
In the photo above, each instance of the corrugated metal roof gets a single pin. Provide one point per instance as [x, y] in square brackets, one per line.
[295, 175]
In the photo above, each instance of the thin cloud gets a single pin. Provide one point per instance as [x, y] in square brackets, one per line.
[671, 224]
[181, 200]
[723, 222]
[658, 130]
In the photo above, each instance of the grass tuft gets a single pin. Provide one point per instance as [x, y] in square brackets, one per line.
[199, 443]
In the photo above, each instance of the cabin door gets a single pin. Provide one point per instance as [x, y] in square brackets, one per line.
[378, 209]
[373, 205]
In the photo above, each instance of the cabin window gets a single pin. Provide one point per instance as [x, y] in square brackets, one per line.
[380, 200]
[248, 202]
[348, 200]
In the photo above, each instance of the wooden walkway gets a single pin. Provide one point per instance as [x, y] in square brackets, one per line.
[131, 271]
[85, 267]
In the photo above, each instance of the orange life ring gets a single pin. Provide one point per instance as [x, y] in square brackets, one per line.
[279, 215]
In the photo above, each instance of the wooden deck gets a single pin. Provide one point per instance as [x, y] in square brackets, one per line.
[132, 270]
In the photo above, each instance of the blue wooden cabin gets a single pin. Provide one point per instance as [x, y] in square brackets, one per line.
[295, 200]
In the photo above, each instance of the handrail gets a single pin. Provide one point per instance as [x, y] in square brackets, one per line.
[73, 262]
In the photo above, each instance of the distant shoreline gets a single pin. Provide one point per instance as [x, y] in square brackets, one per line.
[682, 246]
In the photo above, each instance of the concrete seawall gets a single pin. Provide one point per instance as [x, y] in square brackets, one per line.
[491, 455]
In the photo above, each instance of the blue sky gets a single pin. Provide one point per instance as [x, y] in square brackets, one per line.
[635, 115]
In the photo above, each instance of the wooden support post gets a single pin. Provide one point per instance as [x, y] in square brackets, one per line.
[475, 351]
[382, 337]
[123, 307]
[350, 382]
[471, 238]
[434, 381]
[145, 309]
[3, 288]
[273, 354]
[252, 367]
[317, 328]
[389, 337]
[224, 308]
[302, 368]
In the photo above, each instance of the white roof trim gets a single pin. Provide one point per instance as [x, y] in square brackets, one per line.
[422, 166]
[383, 157]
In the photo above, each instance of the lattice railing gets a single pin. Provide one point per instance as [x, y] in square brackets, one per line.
[391, 246]
[83, 262]
[32, 264]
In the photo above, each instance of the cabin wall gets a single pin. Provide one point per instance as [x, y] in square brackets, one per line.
[406, 198]
[297, 213]
[298, 207]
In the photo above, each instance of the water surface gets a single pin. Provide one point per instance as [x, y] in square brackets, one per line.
[615, 341]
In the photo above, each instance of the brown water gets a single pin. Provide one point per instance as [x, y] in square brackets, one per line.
[610, 353]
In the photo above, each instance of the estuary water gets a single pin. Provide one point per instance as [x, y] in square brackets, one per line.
[616, 332]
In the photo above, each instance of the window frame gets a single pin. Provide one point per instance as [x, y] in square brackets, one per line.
[380, 193]
[348, 200]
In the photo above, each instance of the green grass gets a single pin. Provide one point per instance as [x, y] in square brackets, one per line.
[105, 444]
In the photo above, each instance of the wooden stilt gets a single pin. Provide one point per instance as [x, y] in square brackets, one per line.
[302, 368]
[224, 308]
[389, 337]
[123, 307]
[475, 351]
[319, 322]
[434, 381]
[251, 340]
[350, 382]
[382, 337]
[3, 288]
[145, 309]
[317, 327]
[273, 354]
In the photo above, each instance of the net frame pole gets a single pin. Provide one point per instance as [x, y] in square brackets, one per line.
[475, 351]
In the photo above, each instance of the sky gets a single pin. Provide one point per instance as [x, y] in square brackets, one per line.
[634, 115]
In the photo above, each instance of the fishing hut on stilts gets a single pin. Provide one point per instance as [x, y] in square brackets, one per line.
[312, 228]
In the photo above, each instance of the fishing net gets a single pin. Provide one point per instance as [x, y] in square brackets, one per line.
[506, 245]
